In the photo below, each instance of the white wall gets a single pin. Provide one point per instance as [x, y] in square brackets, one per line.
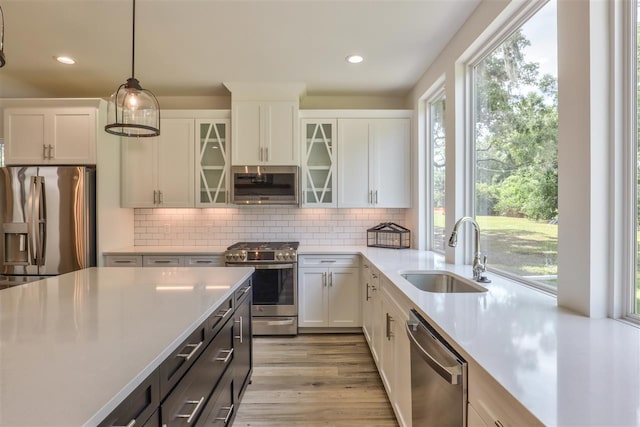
[224, 226]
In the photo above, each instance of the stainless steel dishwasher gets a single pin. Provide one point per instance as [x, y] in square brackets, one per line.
[438, 377]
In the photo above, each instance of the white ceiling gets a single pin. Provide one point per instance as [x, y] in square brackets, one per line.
[189, 47]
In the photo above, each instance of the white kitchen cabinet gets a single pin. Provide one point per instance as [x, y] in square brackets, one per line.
[56, 136]
[212, 162]
[329, 289]
[158, 172]
[395, 369]
[265, 133]
[374, 167]
[492, 403]
[371, 309]
[165, 260]
[319, 154]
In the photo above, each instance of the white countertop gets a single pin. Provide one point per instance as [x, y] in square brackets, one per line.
[74, 346]
[565, 368]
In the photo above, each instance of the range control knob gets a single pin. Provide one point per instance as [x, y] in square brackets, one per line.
[243, 256]
[279, 256]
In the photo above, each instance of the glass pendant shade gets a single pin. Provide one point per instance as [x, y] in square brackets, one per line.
[133, 111]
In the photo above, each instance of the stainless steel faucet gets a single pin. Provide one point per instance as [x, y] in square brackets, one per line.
[479, 267]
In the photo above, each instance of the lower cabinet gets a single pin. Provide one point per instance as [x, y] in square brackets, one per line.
[164, 261]
[202, 381]
[329, 289]
[384, 314]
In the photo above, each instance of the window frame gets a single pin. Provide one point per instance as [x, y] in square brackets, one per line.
[629, 150]
[436, 94]
[480, 52]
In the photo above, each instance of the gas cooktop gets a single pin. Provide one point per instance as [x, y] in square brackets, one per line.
[264, 246]
[262, 252]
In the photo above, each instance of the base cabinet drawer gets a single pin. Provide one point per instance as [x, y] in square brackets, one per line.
[186, 403]
[123, 260]
[175, 366]
[162, 261]
[221, 411]
[139, 406]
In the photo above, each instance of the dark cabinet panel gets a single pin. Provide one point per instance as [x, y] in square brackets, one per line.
[220, 316]
[138, 406]
[184, 405]
[177, 364]
[221, 410]
[243, 343]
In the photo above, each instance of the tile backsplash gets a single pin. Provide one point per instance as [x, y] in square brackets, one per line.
[224, 226]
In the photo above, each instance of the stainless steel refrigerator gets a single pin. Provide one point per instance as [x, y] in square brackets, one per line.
[47, 215]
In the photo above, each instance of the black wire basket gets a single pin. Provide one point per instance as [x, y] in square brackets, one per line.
[389, 235]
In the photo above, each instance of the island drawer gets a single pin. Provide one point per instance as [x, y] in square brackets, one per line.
[220, 410]
[243, 292]
[185, 404]
[175, 366]
[221, 315]
[139, 406]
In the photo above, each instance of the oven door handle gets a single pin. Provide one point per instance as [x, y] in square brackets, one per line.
[273, 266]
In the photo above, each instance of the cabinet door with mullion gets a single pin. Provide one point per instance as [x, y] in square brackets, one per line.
[212, 162]
[319, 147]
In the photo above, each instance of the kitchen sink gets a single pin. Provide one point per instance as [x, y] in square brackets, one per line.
[441, 282]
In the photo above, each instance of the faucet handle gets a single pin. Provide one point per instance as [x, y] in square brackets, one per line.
[484, 263]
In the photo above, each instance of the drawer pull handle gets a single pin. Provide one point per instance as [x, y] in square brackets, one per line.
[202, 261]
[131, 423]
[225, 419]
[245, 290]
[225, 314]
[190, 355]
[123, 261]
[161, 261]
[240, 335]
[225, 359]
[190, 416]
[328, 261]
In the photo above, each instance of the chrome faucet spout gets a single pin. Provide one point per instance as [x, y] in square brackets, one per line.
[479, 266]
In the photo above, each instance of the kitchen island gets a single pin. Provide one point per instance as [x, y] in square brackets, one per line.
[73, 347]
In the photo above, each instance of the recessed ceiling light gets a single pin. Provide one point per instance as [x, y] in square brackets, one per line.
[355, 59]
[65, 60]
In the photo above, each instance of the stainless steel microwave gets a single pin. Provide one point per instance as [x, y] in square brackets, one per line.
[264, 185]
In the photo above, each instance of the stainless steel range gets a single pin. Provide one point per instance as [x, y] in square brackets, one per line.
[275, 284]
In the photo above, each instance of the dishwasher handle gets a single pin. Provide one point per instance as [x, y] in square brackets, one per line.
[451, 374]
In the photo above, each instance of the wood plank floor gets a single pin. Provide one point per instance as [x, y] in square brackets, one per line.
[314, 380]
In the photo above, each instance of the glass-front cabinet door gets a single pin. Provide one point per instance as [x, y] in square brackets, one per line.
[319, 163]
[212, 162]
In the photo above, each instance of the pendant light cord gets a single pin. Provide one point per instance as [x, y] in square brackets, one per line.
[133, 42]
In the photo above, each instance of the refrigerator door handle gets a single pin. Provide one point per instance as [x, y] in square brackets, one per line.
[30, 238]
[38, 219]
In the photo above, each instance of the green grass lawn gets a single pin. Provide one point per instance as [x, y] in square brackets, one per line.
[520, 246]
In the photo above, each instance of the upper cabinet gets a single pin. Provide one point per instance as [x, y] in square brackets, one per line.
[212, 162]
[265, 133]
[158, 172]
[374, 167]
[319, 154]
[56, 136]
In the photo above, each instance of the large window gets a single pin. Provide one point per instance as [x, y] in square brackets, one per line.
[436, 152]
[515, 124]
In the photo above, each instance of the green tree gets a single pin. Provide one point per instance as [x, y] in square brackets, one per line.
[516, 134]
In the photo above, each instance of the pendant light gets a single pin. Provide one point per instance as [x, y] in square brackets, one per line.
[2, 58]
[133, 111]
